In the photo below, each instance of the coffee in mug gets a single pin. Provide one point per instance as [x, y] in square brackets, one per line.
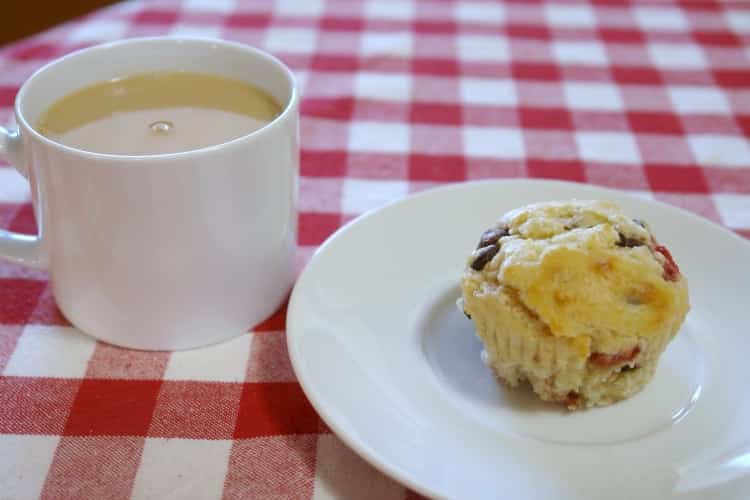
[157, 113]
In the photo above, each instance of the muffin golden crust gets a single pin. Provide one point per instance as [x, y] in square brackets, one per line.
[575, 297]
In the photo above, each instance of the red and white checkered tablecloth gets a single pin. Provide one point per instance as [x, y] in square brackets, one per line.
[651, 97]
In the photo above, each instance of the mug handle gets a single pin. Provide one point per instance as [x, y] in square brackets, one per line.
[19, 248]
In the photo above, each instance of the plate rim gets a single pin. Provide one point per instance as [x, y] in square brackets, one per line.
[362, 449]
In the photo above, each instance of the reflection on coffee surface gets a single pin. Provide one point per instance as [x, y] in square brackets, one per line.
[157, 113]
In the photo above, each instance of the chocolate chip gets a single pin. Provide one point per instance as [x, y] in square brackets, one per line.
[491, 236]
[484, 255]
[628, 368]
[625, 241]
[572, 400]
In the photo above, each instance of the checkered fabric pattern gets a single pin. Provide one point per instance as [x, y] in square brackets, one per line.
[651, 97]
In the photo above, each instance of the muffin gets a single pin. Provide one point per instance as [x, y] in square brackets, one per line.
[574, 297]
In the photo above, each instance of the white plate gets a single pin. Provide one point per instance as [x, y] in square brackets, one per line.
[393, 367]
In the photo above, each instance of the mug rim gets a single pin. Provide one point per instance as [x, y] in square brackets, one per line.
[248, 49]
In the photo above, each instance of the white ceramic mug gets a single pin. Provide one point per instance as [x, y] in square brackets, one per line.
[168, 251]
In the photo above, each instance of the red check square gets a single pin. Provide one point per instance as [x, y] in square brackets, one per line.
[275, 322]
[676, 179]
[546, 118]
[330, 23]
[435, 66]
[517, 30]
[435, 27]
[330, 62]
[273, 409]
[156, 16]
[565, 170]
[726, 38]
[536, 71]
[621, 35]
[7, 95]
[654, 122]
[24, 220]
[248, 20]
[18, 298]
[112, 408]
[744, 123]
[437, 168]
[341, 108]
[636, 75]
[437, 113]
[34, 50]
[314, 228]
[323, 163]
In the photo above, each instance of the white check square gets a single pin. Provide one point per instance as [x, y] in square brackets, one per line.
[50, 351]
[24, 463]
[386, 86]
[104, 29]
[13, 186]
[580, 16]
[390, 9]
[309, 8]
[483, 12]
[378, 137]
[290, 40]
[720, 150]
[607, 147]
[488, 91]
[687, 99]
[170, 467]
[300, 78]
[738, 20]
[677, 56]
[495, 142]
[483, 48]
[586, 53]
[592, 96]
[362, 195]
[216, 6]
[734, 209]
[660, 18]
[399, 43]
[223, 362]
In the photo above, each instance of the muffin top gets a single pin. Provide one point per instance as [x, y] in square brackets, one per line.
[583, 268]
